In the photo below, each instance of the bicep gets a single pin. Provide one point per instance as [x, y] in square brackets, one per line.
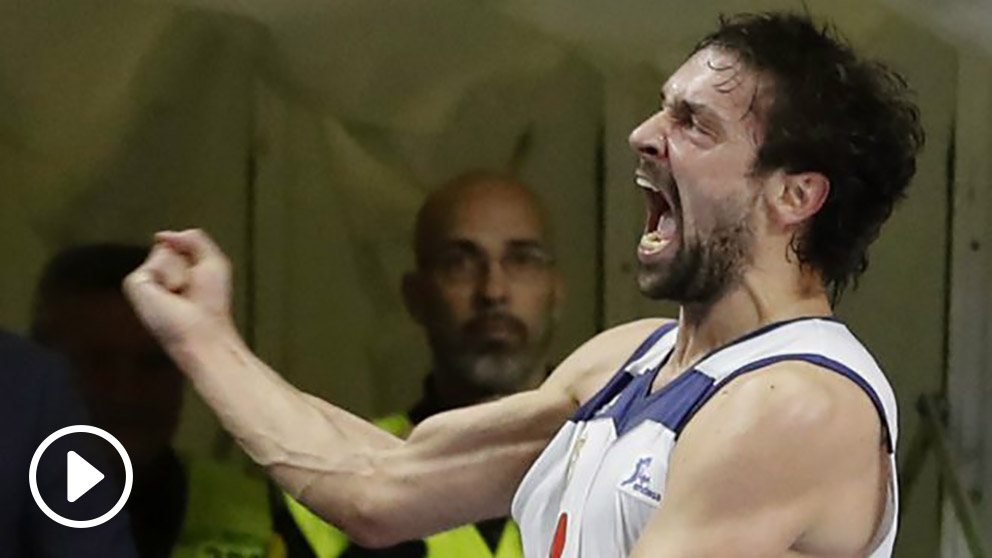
[455, 468]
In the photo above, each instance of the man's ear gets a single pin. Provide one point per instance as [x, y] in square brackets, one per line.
[799, 196]
[413, 295]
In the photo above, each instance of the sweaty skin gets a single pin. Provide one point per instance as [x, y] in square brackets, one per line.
[744, 478]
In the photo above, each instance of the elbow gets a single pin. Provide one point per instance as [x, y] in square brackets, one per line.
[373, 540]
[370, 525]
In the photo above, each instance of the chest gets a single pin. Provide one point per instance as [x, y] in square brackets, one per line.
[593, 492]
[605, 473]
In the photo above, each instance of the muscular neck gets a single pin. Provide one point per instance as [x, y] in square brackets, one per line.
[764, 295]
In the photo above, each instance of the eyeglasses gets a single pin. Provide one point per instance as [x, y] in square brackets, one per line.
[464, 264]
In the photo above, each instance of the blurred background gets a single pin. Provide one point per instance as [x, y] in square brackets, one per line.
[304, 134]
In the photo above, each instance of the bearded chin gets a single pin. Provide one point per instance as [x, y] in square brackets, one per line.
[671, 281]
[699, 273]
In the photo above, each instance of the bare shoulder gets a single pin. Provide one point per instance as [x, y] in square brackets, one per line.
[789, 402]
[589, 367]
[794, 443]
[787, 430]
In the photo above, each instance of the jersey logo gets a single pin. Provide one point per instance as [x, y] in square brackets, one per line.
[639, 482]
[574, 457]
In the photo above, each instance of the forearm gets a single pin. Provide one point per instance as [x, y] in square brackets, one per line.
[295, 436]
[457, 467]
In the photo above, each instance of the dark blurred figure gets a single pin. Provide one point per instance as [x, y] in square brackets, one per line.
[487, 294]
[36, 399]
[180, 507]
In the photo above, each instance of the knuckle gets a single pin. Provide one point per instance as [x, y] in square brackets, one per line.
[133, 279]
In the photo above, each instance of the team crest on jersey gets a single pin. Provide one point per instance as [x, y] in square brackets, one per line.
[638, 483]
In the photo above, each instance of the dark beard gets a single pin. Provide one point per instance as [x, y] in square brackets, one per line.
[700, 273]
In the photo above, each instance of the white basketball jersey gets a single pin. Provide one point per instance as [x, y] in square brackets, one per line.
[594, 488]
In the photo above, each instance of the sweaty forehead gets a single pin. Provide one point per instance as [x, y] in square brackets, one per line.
[718, 80]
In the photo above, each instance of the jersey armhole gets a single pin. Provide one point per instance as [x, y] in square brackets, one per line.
[811, 358]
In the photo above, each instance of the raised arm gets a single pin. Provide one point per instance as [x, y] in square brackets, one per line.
[455, 468]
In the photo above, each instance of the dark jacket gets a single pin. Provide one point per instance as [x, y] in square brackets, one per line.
[36, 399]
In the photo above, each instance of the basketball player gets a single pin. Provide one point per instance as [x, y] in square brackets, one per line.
[753, 425]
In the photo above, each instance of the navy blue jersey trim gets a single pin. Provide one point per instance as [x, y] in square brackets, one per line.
[669, 406]
[622, 378]
[613, 388]
[761, 331]
[811, 358]
[646, 345]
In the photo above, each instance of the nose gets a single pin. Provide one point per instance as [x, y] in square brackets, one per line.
[493, 289]
[650, 138]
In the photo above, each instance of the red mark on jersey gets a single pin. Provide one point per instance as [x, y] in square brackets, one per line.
[558, 542]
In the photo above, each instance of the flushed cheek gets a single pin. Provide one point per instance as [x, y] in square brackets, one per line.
[700, 220]
[699, 217]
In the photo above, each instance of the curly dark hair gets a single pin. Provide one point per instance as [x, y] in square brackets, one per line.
[850, 119]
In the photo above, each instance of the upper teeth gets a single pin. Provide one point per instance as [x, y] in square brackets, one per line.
[645, 183]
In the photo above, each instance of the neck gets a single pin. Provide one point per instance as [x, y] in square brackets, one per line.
[758, 299]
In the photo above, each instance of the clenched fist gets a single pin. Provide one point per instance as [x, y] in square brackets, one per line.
[183, 290]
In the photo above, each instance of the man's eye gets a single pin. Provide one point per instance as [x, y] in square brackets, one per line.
[458, 266]
[454, 261]
[688, 121]
[691, 123]
[527, 260]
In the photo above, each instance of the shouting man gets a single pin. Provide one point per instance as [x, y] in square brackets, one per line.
[755, 424]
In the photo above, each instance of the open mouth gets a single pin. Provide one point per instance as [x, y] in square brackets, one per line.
[661, 225]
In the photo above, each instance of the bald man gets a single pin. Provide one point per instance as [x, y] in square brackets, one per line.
[485, 289]
[487, 293]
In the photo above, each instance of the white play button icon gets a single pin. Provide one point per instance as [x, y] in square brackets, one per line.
[80, 476]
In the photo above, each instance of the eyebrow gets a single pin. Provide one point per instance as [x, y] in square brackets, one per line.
[706, 113]
[459, 244]
[527, 244]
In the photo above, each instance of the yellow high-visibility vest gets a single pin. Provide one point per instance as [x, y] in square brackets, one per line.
[227, 515]
[464, 542]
